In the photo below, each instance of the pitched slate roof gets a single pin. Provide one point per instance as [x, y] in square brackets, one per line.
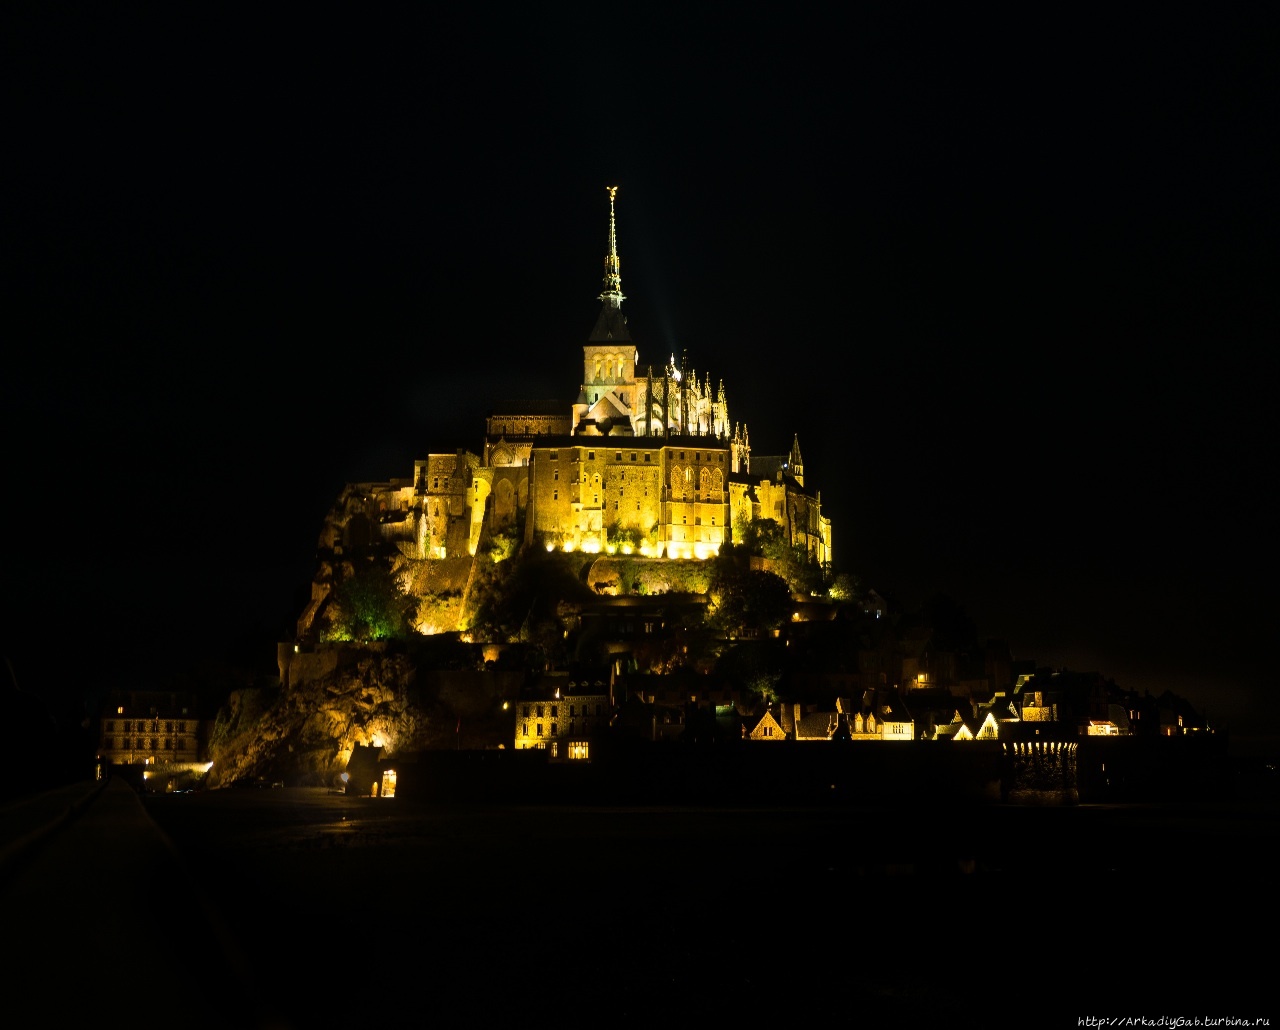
[611, 326]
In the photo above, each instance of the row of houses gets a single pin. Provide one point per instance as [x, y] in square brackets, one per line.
[563, 714]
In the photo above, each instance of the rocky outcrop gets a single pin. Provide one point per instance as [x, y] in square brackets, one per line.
[355, 696]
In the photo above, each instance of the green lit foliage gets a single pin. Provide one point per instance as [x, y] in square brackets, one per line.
[845, 587]
[368, 604]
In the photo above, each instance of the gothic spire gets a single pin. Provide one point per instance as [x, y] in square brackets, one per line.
[612, 263]
[611, 325]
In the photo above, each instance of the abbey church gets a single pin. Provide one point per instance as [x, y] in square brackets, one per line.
[644, 460]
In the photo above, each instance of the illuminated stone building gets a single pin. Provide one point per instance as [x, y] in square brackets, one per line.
[564, 721]
[148, 727]
[645, 460]
[157, 734]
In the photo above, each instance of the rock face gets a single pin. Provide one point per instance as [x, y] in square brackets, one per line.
[346, 696]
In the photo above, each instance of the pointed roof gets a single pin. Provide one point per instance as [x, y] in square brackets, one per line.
[611, 326]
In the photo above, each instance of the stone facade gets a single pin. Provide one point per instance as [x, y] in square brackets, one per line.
[644, 461]
[153, 728]
[564, 723]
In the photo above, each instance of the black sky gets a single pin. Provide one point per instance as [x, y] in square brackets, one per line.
[1011, 279]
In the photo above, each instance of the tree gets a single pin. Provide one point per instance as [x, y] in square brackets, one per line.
[845, 587]
[368, 604]
[747, 599]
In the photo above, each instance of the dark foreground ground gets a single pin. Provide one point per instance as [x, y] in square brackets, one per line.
[353, 909]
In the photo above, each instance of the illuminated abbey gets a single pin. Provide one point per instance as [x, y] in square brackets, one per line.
[644, 461]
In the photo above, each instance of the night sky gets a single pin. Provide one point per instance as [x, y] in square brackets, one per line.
[1011, 280]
